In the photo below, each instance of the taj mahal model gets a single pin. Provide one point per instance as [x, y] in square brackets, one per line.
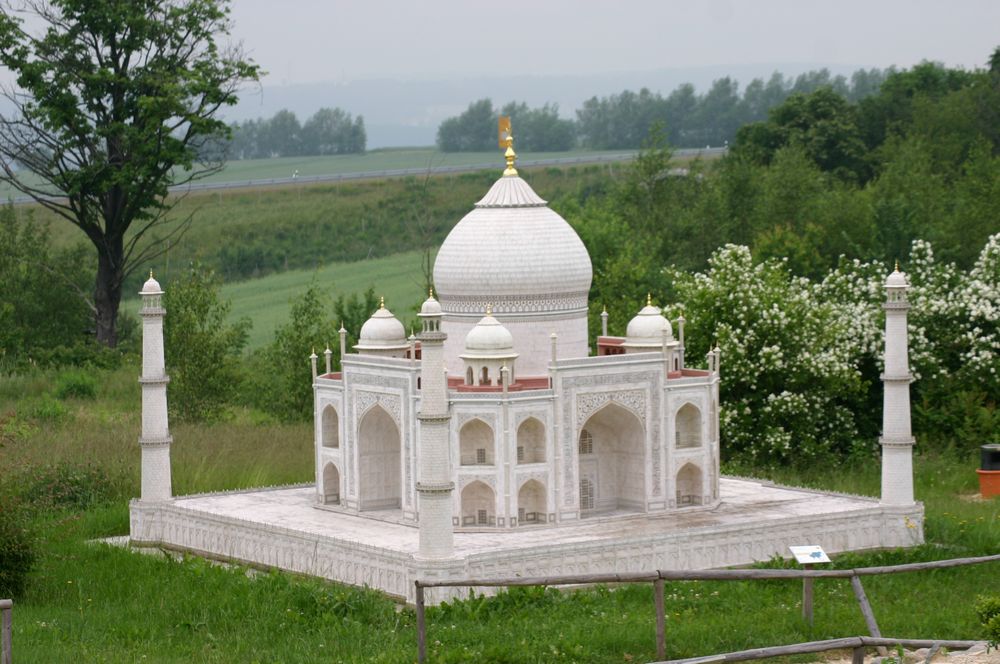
[496, 443]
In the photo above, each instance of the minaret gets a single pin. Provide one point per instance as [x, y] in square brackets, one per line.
[434, 484]
[897, 439]
[155, 439]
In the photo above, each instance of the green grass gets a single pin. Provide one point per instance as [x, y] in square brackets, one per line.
[248, 233]
[266, 301]
[97, 603]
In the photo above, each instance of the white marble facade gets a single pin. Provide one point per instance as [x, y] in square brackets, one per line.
[540, 430]
[613, 434]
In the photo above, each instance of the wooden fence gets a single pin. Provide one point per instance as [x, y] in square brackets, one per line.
[658, 577]
[7, 609]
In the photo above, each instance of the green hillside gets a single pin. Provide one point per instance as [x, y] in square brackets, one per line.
[248, 233]
[265, 301]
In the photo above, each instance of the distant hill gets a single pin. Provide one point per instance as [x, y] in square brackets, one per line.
[407, 112]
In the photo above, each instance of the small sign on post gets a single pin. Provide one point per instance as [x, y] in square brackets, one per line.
[807, 556]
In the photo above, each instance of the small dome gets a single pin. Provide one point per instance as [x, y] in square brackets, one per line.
[646, 329]
[489, 339]
[896, 280]
[382, 332]
[430, 307]
[151, 287]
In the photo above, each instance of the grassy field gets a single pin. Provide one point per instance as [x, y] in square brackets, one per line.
[73, 463]
[266, 301]
[248, 233]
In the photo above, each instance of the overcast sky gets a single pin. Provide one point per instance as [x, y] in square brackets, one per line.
[303, 41]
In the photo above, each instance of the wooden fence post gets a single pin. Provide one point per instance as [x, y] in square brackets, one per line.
[858, 655]
[7, 609]
[866, 611]
[421, 626]
[807, 596]
[661, 620]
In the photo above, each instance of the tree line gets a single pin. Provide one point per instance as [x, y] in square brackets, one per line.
[623, 120]
[328, 131]
[779, 250]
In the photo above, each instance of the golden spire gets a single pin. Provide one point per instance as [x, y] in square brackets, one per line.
[150, 273]
[506, 139]
[897, 266]
[649, 299]
[604, 308]
[430, 291]
[489, 309]
[381, 302]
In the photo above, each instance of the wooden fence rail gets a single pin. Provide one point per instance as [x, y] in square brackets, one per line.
[856, 643]
[7, 609]
[659, 576]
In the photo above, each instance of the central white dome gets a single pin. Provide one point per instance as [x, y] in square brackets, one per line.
[515, 253]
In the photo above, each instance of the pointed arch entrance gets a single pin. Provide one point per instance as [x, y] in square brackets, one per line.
[331, 427]
[687, 426]
[478, 505]
[331, 485]
[380, 468]
[689, 487]
[612, 462]
[531, 503]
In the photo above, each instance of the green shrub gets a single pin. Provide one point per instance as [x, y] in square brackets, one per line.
[76, 384]
[17, 550]
[43, 408]
[67, 486]
[988, 612]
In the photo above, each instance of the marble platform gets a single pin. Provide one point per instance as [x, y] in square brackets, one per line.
[282, 528]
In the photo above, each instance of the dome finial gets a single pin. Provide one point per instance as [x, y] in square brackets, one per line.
[381, 302]
[150, 273]
[489, 309]
[506, 139]
[897, 266]
[430, 292]
[649, 299]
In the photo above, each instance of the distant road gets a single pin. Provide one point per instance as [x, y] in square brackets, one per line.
[432, 170]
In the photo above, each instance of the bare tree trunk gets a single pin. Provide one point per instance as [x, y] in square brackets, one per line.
[108, 290]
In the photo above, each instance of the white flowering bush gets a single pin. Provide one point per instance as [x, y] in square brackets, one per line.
[801, 360]
[954, 330]
[790, 382]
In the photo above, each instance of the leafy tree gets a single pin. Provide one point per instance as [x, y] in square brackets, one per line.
[280, 381]
[113, 100]
[333, 131]
[474, 130]
[540, 129]
[203, 352]
[822, 123]
[892, 109]
[281, 136]
[41, 307]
